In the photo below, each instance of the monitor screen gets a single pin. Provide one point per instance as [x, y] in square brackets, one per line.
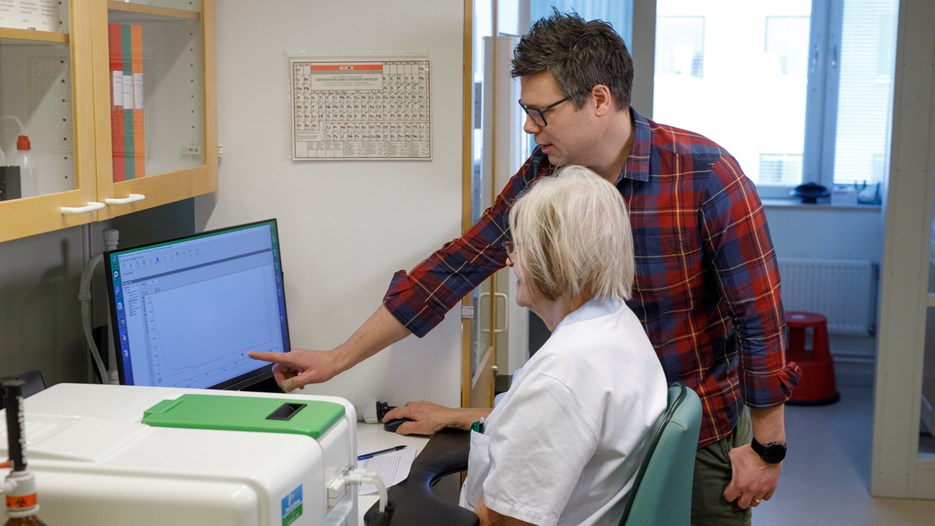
[185, 312]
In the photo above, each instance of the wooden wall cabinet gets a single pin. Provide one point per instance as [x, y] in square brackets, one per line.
[58, 83]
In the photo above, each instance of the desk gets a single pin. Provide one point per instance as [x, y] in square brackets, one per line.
[372, 437]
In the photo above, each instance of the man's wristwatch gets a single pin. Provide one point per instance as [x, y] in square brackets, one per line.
[771, 452]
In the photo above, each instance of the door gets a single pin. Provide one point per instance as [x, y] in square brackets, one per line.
[499, 336]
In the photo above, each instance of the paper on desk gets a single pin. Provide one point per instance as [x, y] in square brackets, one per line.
[392, 468]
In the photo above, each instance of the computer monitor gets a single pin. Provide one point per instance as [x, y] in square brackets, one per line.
[186, 311]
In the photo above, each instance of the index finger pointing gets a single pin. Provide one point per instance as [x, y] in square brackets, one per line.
[274, 357]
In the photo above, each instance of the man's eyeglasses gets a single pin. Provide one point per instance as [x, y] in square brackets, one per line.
[538, 114]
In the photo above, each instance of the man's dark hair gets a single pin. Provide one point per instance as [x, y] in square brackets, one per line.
[579, 54]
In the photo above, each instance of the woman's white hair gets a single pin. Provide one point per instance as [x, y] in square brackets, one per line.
[572, 237]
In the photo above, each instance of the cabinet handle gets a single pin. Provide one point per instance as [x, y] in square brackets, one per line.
[132, 198]
[90, 207]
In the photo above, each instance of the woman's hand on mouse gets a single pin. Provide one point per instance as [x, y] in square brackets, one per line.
[428, 418]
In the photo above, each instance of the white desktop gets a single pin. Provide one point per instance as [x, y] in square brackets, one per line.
[96, 463]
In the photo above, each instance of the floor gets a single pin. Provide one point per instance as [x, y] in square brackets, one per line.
[826, 478]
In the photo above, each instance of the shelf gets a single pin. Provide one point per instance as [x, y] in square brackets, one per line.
[71, 101]
[153, 11]
[33, 35]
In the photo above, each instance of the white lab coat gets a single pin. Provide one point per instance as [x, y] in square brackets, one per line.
[564, 444]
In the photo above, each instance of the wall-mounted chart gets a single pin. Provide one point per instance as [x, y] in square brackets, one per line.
[354, 107]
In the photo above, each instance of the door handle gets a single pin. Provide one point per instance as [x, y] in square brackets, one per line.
[506, 313]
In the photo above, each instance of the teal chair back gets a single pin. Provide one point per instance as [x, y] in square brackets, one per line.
[662, 492]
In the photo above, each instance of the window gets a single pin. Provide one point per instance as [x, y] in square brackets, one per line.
[796, 90]
[780, 169]
[680, 41]
[787, 42]
[868, 49]
[616, 12]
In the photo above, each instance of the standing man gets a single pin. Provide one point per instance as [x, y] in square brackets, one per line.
[707, 282]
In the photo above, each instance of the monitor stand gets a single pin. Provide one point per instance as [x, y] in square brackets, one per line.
[268, 385]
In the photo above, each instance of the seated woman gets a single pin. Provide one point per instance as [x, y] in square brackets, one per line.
[565, 442]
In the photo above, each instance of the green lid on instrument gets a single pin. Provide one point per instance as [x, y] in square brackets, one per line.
[246, 413]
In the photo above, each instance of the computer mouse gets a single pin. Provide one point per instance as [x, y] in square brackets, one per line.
[393, 424]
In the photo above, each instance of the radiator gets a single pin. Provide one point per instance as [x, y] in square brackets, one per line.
[843, 291]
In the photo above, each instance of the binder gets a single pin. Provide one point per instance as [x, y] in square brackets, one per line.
[128, 102]
[115, 40]
[136, 59]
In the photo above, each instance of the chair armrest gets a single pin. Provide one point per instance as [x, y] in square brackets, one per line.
[445, 453]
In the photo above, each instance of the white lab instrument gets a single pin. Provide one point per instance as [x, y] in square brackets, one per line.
[96, 463]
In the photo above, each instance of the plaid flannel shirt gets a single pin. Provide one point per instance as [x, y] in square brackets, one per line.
[707, 282]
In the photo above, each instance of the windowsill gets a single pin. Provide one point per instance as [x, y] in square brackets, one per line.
[795, 203]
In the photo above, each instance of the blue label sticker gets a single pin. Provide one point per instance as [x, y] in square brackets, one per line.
[292, 506]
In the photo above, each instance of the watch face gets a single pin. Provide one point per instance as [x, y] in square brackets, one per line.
[774, 453]
[771, 452]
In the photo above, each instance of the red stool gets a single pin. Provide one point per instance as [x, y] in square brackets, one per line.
[816, 385]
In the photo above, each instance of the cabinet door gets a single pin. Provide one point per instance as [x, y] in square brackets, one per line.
[157, 138]
[46, 93]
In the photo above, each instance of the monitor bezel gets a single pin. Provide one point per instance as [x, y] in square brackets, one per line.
[244, 381]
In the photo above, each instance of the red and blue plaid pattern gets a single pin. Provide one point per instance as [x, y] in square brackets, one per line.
[707, 282]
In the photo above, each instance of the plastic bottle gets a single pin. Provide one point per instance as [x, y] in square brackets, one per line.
[24, 521]
[29, 520]
[29, 176]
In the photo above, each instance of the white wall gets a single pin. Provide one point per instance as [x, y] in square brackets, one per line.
[823, 232]
[346, 226]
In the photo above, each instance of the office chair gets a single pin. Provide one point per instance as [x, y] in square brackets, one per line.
[661, 495]
[662, 491]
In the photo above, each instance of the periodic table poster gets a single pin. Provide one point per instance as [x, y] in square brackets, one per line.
[358, 108]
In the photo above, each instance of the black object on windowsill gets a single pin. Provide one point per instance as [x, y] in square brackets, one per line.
[810, 193]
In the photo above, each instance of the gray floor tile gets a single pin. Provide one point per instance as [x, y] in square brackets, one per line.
[826, 477]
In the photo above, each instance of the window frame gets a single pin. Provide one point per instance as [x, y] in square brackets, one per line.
[821, 102]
